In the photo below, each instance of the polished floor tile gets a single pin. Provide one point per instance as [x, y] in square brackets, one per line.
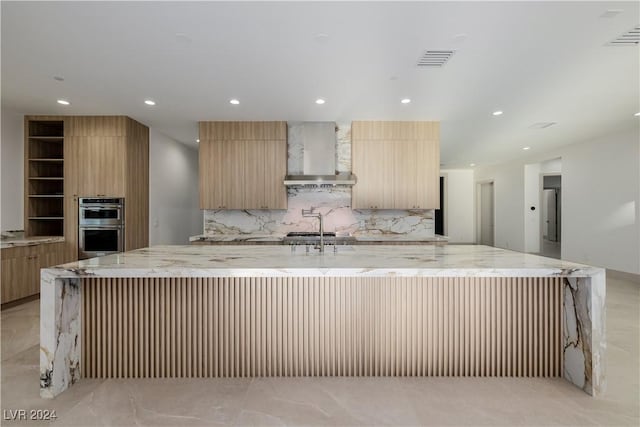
[20, 328]
[333, 401]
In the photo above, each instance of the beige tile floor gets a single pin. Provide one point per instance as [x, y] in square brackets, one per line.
[333, 401]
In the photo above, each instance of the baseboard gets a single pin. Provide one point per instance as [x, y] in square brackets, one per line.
[20, 301]
[623, 275]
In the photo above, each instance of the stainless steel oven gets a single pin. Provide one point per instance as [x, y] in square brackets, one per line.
[100, 226]
[104, 211]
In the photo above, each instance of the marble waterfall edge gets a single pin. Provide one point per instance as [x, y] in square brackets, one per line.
[59, 333]
[585, 341]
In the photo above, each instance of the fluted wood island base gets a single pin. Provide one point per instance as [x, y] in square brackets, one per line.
[184, 311]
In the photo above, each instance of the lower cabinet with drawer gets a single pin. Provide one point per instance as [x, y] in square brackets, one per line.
[21, 268]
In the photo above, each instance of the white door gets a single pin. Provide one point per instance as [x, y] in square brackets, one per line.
[486, 214]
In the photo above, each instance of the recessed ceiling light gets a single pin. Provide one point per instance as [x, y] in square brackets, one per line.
[637, 114]
[460, 37]
[610, 13]
[234, 101]
[322, 37]
[149, 102]
[472, 164]
[320, 101]
[497, 113]
[63, 102]
[526, 148]
[183, 38]
[405, 100]
[198, 140]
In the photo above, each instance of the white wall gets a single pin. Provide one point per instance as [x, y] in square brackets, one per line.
[532, 199]
[12, 171]
[600, 200]
[459, 219]
[508, 201]
[174, 213]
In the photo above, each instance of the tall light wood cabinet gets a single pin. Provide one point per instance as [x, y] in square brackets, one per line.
[104, 156]
[243, 165]
[397, 165]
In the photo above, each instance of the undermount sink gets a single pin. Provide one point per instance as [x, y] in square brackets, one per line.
[313, 238]
[309, 234]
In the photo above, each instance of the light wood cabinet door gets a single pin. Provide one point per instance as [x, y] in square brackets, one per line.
[242, 165]
[15, 274]
[264, 172]
[21, 268]
[101, 165]
[222, 179]
[210, 174]
[397, 165]
[18, 273]
[233, 182]
[428, 183]
[72, 166]
[374, 165]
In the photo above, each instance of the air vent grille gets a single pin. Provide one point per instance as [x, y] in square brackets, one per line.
[630, 38]
[435, 58]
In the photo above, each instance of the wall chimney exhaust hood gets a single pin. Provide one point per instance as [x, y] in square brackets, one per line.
[319, 158]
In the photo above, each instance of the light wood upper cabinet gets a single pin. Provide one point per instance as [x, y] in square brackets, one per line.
[397, 165]
[274, 193]
[243, 165]
[99, 147]
[102, 171]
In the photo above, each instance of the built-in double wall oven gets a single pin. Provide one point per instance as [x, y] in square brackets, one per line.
[100, 226]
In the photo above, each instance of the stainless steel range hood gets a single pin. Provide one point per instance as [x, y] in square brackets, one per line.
[337, 179]
[319, 157]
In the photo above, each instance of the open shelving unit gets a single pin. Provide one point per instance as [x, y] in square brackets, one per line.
[45, 177]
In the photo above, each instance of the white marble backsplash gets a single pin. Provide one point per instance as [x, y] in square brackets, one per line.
[335, 205]
[333, 202]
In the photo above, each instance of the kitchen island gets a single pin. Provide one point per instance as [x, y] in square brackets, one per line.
[247, 311]
[279, 239]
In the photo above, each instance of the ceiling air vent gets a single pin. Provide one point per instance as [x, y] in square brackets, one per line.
[542, 125]
[435, 58]
[630, 38]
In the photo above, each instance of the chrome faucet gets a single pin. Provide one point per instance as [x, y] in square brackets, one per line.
[311, 213]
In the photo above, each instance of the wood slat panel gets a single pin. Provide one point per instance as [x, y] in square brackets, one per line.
[395, 130]
[217, 130]
[249, 327]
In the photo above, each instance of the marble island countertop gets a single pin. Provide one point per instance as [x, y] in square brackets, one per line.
[358, 260]
[581, 307]
[277, 238]
[12, 241]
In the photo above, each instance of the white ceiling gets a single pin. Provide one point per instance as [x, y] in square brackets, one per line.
[538, 62]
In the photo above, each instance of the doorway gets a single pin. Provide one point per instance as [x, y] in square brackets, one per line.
[551, 216]
[439, 214]
[486, 214]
